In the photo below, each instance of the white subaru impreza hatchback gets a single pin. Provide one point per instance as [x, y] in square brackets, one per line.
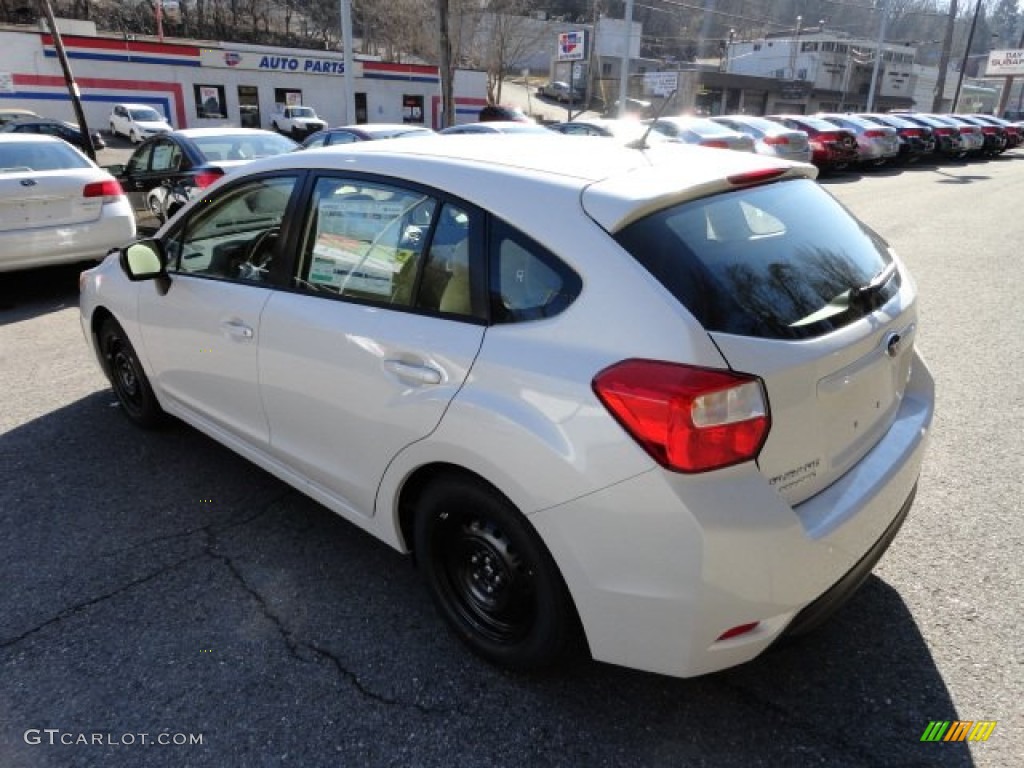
[664, 401]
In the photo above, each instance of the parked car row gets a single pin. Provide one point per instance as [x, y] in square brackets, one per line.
[170, 167]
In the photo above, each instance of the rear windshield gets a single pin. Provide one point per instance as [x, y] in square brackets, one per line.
[818, 124]
[18, 157]
[776, 261]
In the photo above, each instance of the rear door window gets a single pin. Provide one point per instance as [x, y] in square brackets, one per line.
[783, 260]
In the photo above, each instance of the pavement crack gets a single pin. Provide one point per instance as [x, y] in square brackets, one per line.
[208, 529]
[295, 648]
[80, 607]
[353, 678]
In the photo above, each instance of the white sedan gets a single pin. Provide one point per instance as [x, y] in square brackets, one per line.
[137, 121]
[56, 205]
[670, 405]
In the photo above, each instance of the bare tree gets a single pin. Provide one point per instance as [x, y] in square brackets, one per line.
[496, 40]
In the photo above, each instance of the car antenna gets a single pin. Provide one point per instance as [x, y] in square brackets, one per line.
[641, 143]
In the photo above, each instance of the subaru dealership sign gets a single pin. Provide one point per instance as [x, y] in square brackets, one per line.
[1004, 63]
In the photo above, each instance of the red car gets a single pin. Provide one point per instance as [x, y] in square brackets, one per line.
[833, 148]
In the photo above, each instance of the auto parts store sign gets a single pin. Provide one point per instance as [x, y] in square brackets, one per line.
[1005, 63]
[276, 61]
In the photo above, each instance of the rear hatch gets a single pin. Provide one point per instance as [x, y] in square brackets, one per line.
[792, 289]
[30, 199]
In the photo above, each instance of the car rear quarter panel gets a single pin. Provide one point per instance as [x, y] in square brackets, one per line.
[527, 418]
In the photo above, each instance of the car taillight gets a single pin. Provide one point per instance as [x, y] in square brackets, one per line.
[203, 179]
[715, 143]
[911, 132]
[773, 140]
[874, 134]
[943, 131]
[827, 137]
[990, 130]
[688, 419]
[110, 190]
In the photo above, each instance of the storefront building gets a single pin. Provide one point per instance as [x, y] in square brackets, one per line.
[202, 83]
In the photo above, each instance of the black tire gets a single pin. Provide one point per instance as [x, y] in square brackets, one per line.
[491, 577]
[127, 377]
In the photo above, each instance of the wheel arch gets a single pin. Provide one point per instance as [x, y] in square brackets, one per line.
[100, 315]
[412, 489]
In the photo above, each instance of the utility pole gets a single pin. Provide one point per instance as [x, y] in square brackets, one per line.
[444, 46]
[947, 45]
[69, 79]
[873, 89]
[348, 61]
[624, 66]
[967, 53]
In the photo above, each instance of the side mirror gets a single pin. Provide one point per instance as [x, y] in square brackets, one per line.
[144, 260]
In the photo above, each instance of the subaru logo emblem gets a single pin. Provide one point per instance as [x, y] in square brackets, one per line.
[28, 182]
[893, 343]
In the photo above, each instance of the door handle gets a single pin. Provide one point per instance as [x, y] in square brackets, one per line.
[415, 372]
[237, 329]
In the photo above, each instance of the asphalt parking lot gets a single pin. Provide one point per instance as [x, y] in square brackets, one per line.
[158, 588]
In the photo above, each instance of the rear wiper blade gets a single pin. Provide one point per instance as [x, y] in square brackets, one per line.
[877, 283]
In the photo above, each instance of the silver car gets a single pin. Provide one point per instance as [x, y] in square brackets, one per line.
[876, 144]
[666, 399]
[703, 132]
[770, 137]
[56, 205]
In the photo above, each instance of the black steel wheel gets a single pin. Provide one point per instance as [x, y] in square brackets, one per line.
[127, 377]
[491, 576]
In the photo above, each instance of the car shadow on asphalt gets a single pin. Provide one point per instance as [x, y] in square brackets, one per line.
[162, 543]
[30, 293]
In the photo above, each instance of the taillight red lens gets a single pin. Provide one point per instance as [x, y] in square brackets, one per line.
[911, 132]
[742, 629]
[108, 188]
[827, 137]
[942, 131]
[755, 177]
[773, 140]
[203, 179]
[873, 134]
[688, 419]
[716, 143]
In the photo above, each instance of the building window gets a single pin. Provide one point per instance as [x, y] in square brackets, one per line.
[780, 73]
[805, 47]
[801, 74]
[412, 109]
[288, 97]
[757, 46]
[606, 68]
[210, 101]
[842, 47]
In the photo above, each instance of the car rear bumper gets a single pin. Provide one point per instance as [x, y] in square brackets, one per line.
[43, 246]
[662, 565]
